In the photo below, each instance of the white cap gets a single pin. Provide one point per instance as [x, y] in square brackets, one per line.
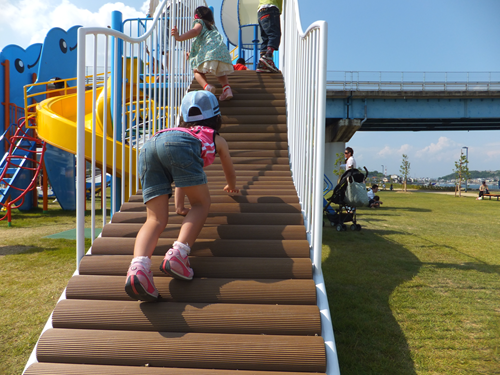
[205, 101]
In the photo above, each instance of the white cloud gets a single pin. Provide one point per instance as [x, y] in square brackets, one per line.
[386, 151]
[405, 149]
[394, 151]
[442, 150]
[34, 18]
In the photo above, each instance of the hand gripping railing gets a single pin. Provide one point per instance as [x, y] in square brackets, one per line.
[303, 56]
[140, 92]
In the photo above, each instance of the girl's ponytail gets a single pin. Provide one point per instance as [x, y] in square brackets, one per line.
[205, 14]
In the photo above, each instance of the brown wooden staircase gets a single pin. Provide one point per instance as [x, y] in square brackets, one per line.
[252, 304]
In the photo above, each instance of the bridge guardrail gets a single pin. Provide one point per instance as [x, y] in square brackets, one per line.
[412, 81]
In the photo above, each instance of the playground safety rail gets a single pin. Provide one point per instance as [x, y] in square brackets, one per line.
[304, 58]
[148, 76]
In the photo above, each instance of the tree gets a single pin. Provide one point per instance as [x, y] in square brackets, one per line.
[338, 171]
[461, 172]
[405, 170]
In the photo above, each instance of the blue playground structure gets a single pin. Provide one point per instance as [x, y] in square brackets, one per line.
[22, 152]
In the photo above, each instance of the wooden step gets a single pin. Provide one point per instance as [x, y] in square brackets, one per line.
[186, 350]
[252, 167]
[188, 317]
[218, 218]
[245, 111]
[257, 160]
[255, 137]
[253, 119]
[241, 199]
[210, 247]
[137, 205]
[256, 291]
[252, 128]
[253, 173]
[254, 180]
[253, 103]
[75, 369]
[250, 232]
[213, 267]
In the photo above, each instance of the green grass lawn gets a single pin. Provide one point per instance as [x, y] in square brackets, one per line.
[34, 271]
[416, 291]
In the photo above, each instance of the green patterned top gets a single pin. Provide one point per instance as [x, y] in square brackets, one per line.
[277, 3]
[207, 46]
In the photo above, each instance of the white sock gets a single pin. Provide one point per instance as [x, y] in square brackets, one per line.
[183, 248]
[145, 261]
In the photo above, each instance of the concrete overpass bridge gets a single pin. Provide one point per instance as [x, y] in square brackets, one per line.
[408, 101]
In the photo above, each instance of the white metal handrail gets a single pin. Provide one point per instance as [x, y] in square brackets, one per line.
[303, 58]
[140, 94]
[412, 81]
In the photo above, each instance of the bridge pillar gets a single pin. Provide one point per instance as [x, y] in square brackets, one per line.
[333, 150]
[338, 132]
[341, 130]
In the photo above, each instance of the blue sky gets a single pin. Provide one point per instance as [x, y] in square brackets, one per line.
[364, 35]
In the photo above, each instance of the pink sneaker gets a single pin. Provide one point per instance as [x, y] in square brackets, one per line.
[176, 266]
[209, 87]
[227, 94]
[139, 284]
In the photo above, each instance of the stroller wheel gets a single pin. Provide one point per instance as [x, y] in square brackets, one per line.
[354, 227]
[339, 228]
[358, 227]
[344, 227]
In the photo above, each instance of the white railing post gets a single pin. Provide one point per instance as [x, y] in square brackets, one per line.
[80, 150]
[306, 52]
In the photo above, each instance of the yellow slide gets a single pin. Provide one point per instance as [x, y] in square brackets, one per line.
[56, 124]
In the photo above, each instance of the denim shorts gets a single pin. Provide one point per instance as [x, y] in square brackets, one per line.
[172, 156]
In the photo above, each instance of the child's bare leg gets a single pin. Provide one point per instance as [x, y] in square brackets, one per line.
[179, 202]
[223, 80]
[156, 221]
[139, 283]
[199, 198]
[201, 78]
[176, 261]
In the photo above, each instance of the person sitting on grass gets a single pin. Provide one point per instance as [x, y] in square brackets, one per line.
[373, 200]
[483, 189]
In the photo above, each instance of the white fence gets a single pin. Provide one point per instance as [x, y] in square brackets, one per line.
[139, 95]
[412, 81]
[303, 57]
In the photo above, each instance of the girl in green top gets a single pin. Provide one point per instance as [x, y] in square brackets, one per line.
[208, 53]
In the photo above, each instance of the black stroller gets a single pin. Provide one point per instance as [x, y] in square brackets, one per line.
[345, 213]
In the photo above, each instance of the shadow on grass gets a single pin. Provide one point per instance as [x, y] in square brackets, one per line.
[37, 213]
[361, 272]
[468, 266]
[387, 207]
[53, 245]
